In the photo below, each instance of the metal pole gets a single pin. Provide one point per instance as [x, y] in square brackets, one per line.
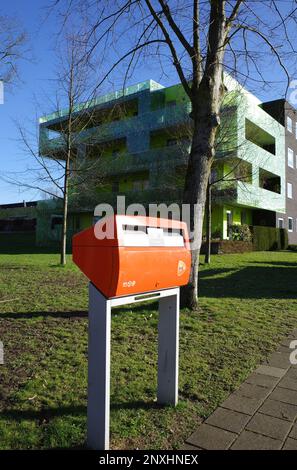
[99, 357]
[168, 349]
[98, 370]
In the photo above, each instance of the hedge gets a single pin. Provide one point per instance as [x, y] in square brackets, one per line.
[292, 247]
[269, 238]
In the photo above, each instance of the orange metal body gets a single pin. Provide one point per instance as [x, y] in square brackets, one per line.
[117, 267]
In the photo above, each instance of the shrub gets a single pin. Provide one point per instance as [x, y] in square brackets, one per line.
[241, 233]
[216, 235]
[269, 238]
[292, 247]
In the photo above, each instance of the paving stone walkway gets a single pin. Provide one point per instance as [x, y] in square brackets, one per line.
[260, 414]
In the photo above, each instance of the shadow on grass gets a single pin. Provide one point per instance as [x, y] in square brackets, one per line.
[138, 308]
[28, 315]
[271, 280]
[26, 250]
[277, 263]
[45, 415]
[274, 281]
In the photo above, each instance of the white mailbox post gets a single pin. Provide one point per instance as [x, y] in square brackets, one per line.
[99, 356]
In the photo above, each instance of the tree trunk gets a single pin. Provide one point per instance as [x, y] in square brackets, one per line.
[64, 228]
[208, 224]
[195, 195]
[206, 121]
[65, 205]
[206, 104]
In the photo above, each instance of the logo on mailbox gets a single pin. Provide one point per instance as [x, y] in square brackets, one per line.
[181, 267]
[129, 283]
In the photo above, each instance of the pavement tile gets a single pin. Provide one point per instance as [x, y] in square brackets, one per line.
[290, 444]
[284, 395]
[284, 349]
[269, 426]
[252, 391]
[242, 404]
[288, 382]
[269, 370]
[267, 381]
[293, 433]
[280, 360]
[190, 447]
[292, 372]
[251, 441]
[258, 415]
[286, 342]
[228, 420]
[279, 409]
[211, 438]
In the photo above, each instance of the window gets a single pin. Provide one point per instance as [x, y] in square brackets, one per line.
[289, 191]
[229, 222]
[290, 158]
[290, 224]
[280, 223]
[289, 124]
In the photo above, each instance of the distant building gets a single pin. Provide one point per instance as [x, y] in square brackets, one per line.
[18, 217]
[286, 115]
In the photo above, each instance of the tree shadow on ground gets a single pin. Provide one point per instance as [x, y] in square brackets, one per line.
[31, 315]
[44, 415]
[288, 264]
[251, 282]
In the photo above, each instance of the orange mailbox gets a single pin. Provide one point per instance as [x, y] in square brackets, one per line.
[142, 254]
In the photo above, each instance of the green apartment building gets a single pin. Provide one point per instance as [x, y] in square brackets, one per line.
[141, 138]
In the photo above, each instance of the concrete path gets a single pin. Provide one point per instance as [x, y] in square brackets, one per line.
[260, 414]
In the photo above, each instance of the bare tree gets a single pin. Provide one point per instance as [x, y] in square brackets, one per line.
[12, 43]
[202, 39]
[58, 171]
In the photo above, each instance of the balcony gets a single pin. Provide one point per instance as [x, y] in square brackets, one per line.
[151, 196]
[125, 162]
[260, 198]
[248, 195]
[161, 118]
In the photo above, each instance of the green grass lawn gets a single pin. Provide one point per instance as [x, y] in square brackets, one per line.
[247, 303]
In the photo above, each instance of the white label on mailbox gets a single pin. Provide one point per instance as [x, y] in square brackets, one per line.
[151, 236]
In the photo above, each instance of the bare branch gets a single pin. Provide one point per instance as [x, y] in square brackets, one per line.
[170, 44]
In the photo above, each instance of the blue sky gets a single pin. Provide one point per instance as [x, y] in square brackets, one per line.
[20, 103]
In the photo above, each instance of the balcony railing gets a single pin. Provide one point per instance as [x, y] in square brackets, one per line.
[125, 162]
[89, 201]
[153, 120]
